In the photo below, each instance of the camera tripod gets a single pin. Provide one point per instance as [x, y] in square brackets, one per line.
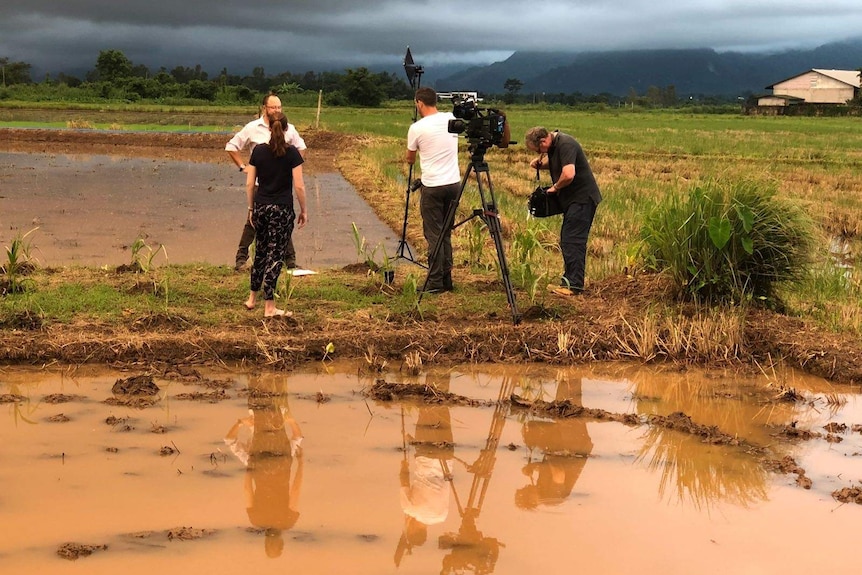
[469, 550]
[487, 213]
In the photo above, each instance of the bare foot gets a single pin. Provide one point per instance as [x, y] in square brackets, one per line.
[249, 304]
[278, 313]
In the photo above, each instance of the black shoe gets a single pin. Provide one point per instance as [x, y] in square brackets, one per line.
[290, 265]
[433, 289]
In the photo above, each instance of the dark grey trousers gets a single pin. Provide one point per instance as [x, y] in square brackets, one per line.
[574, 233]
[434, 205]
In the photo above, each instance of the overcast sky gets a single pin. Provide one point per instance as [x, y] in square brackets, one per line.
[67, 35]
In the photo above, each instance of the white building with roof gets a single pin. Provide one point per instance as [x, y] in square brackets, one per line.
[815, 86]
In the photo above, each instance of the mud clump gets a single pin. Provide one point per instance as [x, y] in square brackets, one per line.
[56, 398]
[848, 495]
[793, 432]
[385, 391]
[210, 396]
[73, 551]
[136, 385]
[188, 533]
[788, 465]
[681, 422]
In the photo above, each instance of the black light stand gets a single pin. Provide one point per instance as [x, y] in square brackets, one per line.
[414, 76]
[487, 213]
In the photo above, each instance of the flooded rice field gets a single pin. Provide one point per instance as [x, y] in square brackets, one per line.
[486, 469]
[90, 209]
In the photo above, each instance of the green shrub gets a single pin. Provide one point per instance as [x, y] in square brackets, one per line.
[728, 242]
[18, 264]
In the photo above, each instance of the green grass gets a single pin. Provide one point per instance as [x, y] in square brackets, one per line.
[642, 158]
[212, 295]
[725, 242]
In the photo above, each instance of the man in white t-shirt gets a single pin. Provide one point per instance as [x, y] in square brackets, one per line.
[437, 148]
[254, 133]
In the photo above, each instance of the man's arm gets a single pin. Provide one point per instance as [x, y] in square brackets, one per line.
[237, 159]
[234, 146]
[566, 153]
[567, 176]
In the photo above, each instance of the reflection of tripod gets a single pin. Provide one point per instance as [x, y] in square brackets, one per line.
[469, 548]
[414, 75]
[487, 213]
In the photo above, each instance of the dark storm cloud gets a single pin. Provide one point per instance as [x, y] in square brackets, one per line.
[59, 35]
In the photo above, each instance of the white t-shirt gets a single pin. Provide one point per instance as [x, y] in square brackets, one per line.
[257, 132]
[437, 148]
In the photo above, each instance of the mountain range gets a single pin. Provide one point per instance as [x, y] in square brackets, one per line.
[692, 72]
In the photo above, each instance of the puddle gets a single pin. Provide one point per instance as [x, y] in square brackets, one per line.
[212, 477]
[90, 209]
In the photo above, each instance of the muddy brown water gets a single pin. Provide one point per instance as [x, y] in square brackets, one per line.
[89, 210]
[207, 480]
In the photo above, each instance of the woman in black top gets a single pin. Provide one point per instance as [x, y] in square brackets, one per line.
[277, 168]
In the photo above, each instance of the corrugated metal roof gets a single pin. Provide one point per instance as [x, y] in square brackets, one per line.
[850, 77]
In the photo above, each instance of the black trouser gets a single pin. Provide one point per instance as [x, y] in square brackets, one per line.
[274, 225]
[577, 222]
[434, 206]
[248, 237]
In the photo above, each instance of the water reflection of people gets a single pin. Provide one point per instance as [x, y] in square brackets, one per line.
[268, 441]
[425, 481]
[564, 444]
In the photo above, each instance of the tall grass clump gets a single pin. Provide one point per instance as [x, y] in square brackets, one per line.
[729, 242]
[19, 263]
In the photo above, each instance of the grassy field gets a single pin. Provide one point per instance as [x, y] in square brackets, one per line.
[638, 158]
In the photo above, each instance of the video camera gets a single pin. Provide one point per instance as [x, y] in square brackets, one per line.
[485, 129]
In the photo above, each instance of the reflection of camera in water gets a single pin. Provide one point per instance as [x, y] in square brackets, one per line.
[484, 126]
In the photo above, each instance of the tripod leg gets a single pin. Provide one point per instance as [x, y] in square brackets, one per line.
[492, 220]
[402, 244]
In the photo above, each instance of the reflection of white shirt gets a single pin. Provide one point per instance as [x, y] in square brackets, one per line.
[257, 132]
[241, 444]
[427, 497]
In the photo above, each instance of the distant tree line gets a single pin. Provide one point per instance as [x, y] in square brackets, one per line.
[115, 77]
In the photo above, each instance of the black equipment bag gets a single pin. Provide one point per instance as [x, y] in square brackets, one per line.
[543, 205]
